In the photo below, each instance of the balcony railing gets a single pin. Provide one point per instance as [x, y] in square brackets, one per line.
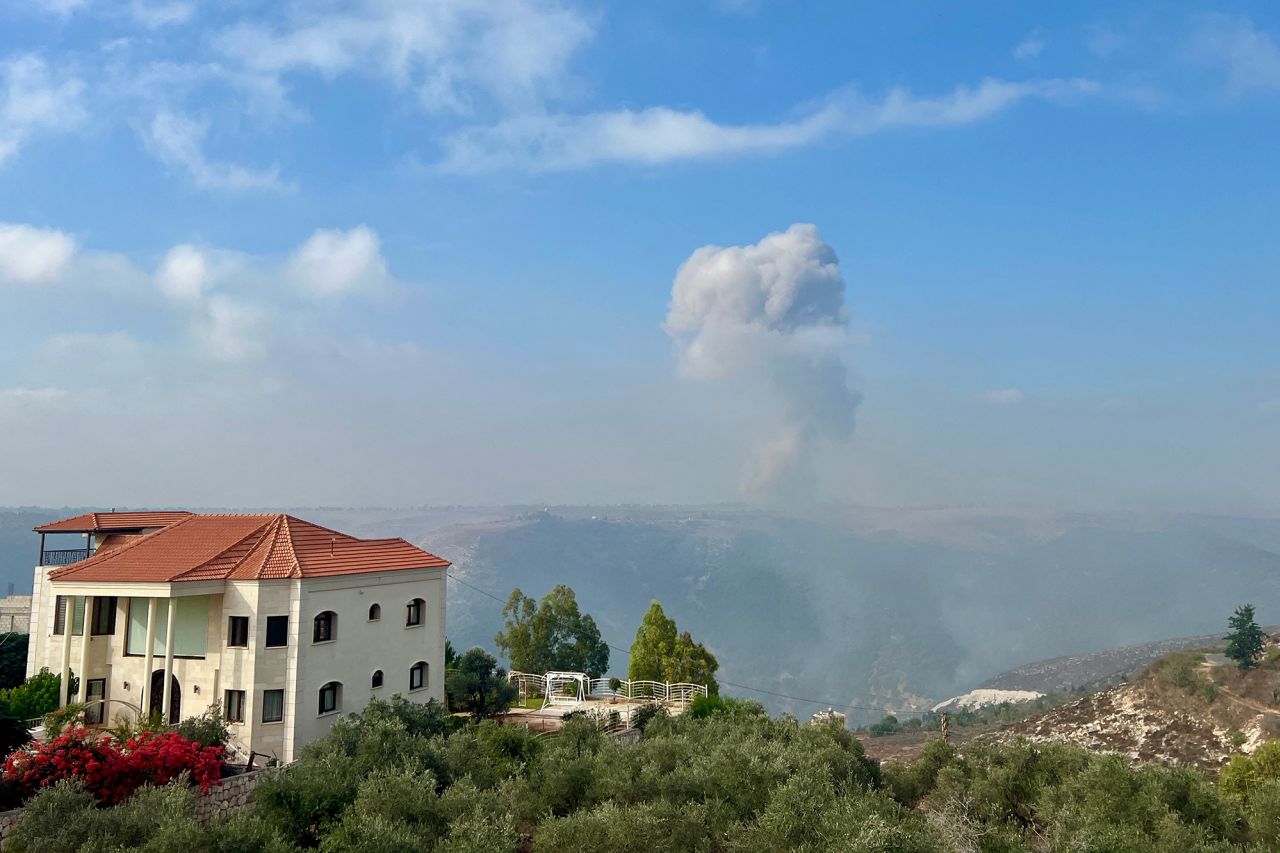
[64, 557]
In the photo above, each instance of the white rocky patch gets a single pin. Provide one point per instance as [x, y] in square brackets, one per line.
[986, 697]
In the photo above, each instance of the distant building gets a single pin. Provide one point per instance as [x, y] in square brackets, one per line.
[285, 623]
[828, 717]
[15, 613]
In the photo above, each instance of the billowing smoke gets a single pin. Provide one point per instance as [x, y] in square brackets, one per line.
[772, 315]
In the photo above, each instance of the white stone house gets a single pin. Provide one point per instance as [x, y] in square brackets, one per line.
[285, 623]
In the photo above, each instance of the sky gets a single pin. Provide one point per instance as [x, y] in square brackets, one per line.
[511, 251]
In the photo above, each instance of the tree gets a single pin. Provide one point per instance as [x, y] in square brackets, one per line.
[1245, 642]
[476, 685]
[660, 654]
[13, 659]
[551, 635]
[654, 646]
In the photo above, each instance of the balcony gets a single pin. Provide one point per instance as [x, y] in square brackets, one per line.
[64, 557]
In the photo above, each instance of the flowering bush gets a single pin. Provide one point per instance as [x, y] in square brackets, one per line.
[110, 773]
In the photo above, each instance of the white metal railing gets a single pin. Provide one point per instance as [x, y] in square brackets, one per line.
[551, 687]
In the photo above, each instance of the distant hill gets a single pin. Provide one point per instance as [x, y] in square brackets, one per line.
[1070, 672]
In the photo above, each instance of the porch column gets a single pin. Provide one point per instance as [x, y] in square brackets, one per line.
[68, 616]
[150, 656]
[168, 659]
[84, 648]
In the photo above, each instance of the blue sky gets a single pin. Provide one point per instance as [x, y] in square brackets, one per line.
[382, 253]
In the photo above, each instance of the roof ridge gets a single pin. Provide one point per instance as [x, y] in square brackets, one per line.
[322, 527]
[99, 559]
[218, 555]
[296, 568]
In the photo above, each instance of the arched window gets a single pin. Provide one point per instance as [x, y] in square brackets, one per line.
[331, 697]
[376, 681]
[326, 625]
[418, 675]
[414, 611]
[375, 612]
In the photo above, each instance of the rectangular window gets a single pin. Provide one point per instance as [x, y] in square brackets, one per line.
[323, 631]
[96, 691]
[233, 711]
[272, 706]
[277, 631]
[417, 675]
[190, 629]
[104, 616]
[77, 616]
[238, 631]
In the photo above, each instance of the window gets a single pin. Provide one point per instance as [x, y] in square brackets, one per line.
[96, 692]
[413, 612]
[190, 630]
[329, 696]
[272, 706]
[375, 612]
[376, 681]
[233, 711]
[60, 616]
[277, 631]
[324, 625]
[418, 675]
[238, 631]
[104, 616]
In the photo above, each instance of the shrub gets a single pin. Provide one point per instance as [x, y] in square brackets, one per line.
[35, 697]
[206, 729]
[111, 774]
[60, 719]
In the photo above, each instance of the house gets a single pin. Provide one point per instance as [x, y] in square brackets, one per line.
[286, 623]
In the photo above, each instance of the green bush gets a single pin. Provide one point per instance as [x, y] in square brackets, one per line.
[36, 696]
[206, 729]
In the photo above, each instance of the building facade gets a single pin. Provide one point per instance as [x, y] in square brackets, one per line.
[284, 623]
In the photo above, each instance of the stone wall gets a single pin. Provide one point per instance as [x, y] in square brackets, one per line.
[8, 820]
[234, 792]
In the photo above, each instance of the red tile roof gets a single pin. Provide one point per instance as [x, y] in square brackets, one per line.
[95, 522]
[244, 547]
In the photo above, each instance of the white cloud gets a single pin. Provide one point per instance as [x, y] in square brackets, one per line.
[32, 99]
[183, 273]
[1250, 56]
[61, 8]
[335, 263]
[1002, 396]
[156, 15]
[450, 52]
[177, 141]
[31, 255]
[1031, 46]
[771, 315]
[541, 142]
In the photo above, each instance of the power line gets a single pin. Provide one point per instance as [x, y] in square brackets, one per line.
[830, 703]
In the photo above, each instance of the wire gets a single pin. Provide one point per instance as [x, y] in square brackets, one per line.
[830, 703]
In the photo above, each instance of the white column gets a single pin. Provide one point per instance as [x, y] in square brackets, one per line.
[168, 659]
[84, 648]
[150, 653]
[68, 616]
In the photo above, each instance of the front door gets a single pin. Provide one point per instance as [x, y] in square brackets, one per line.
[156, 694]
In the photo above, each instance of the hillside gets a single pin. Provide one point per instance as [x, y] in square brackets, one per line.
[1182, 710]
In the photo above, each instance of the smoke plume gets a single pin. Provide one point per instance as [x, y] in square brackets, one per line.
[771, 315]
